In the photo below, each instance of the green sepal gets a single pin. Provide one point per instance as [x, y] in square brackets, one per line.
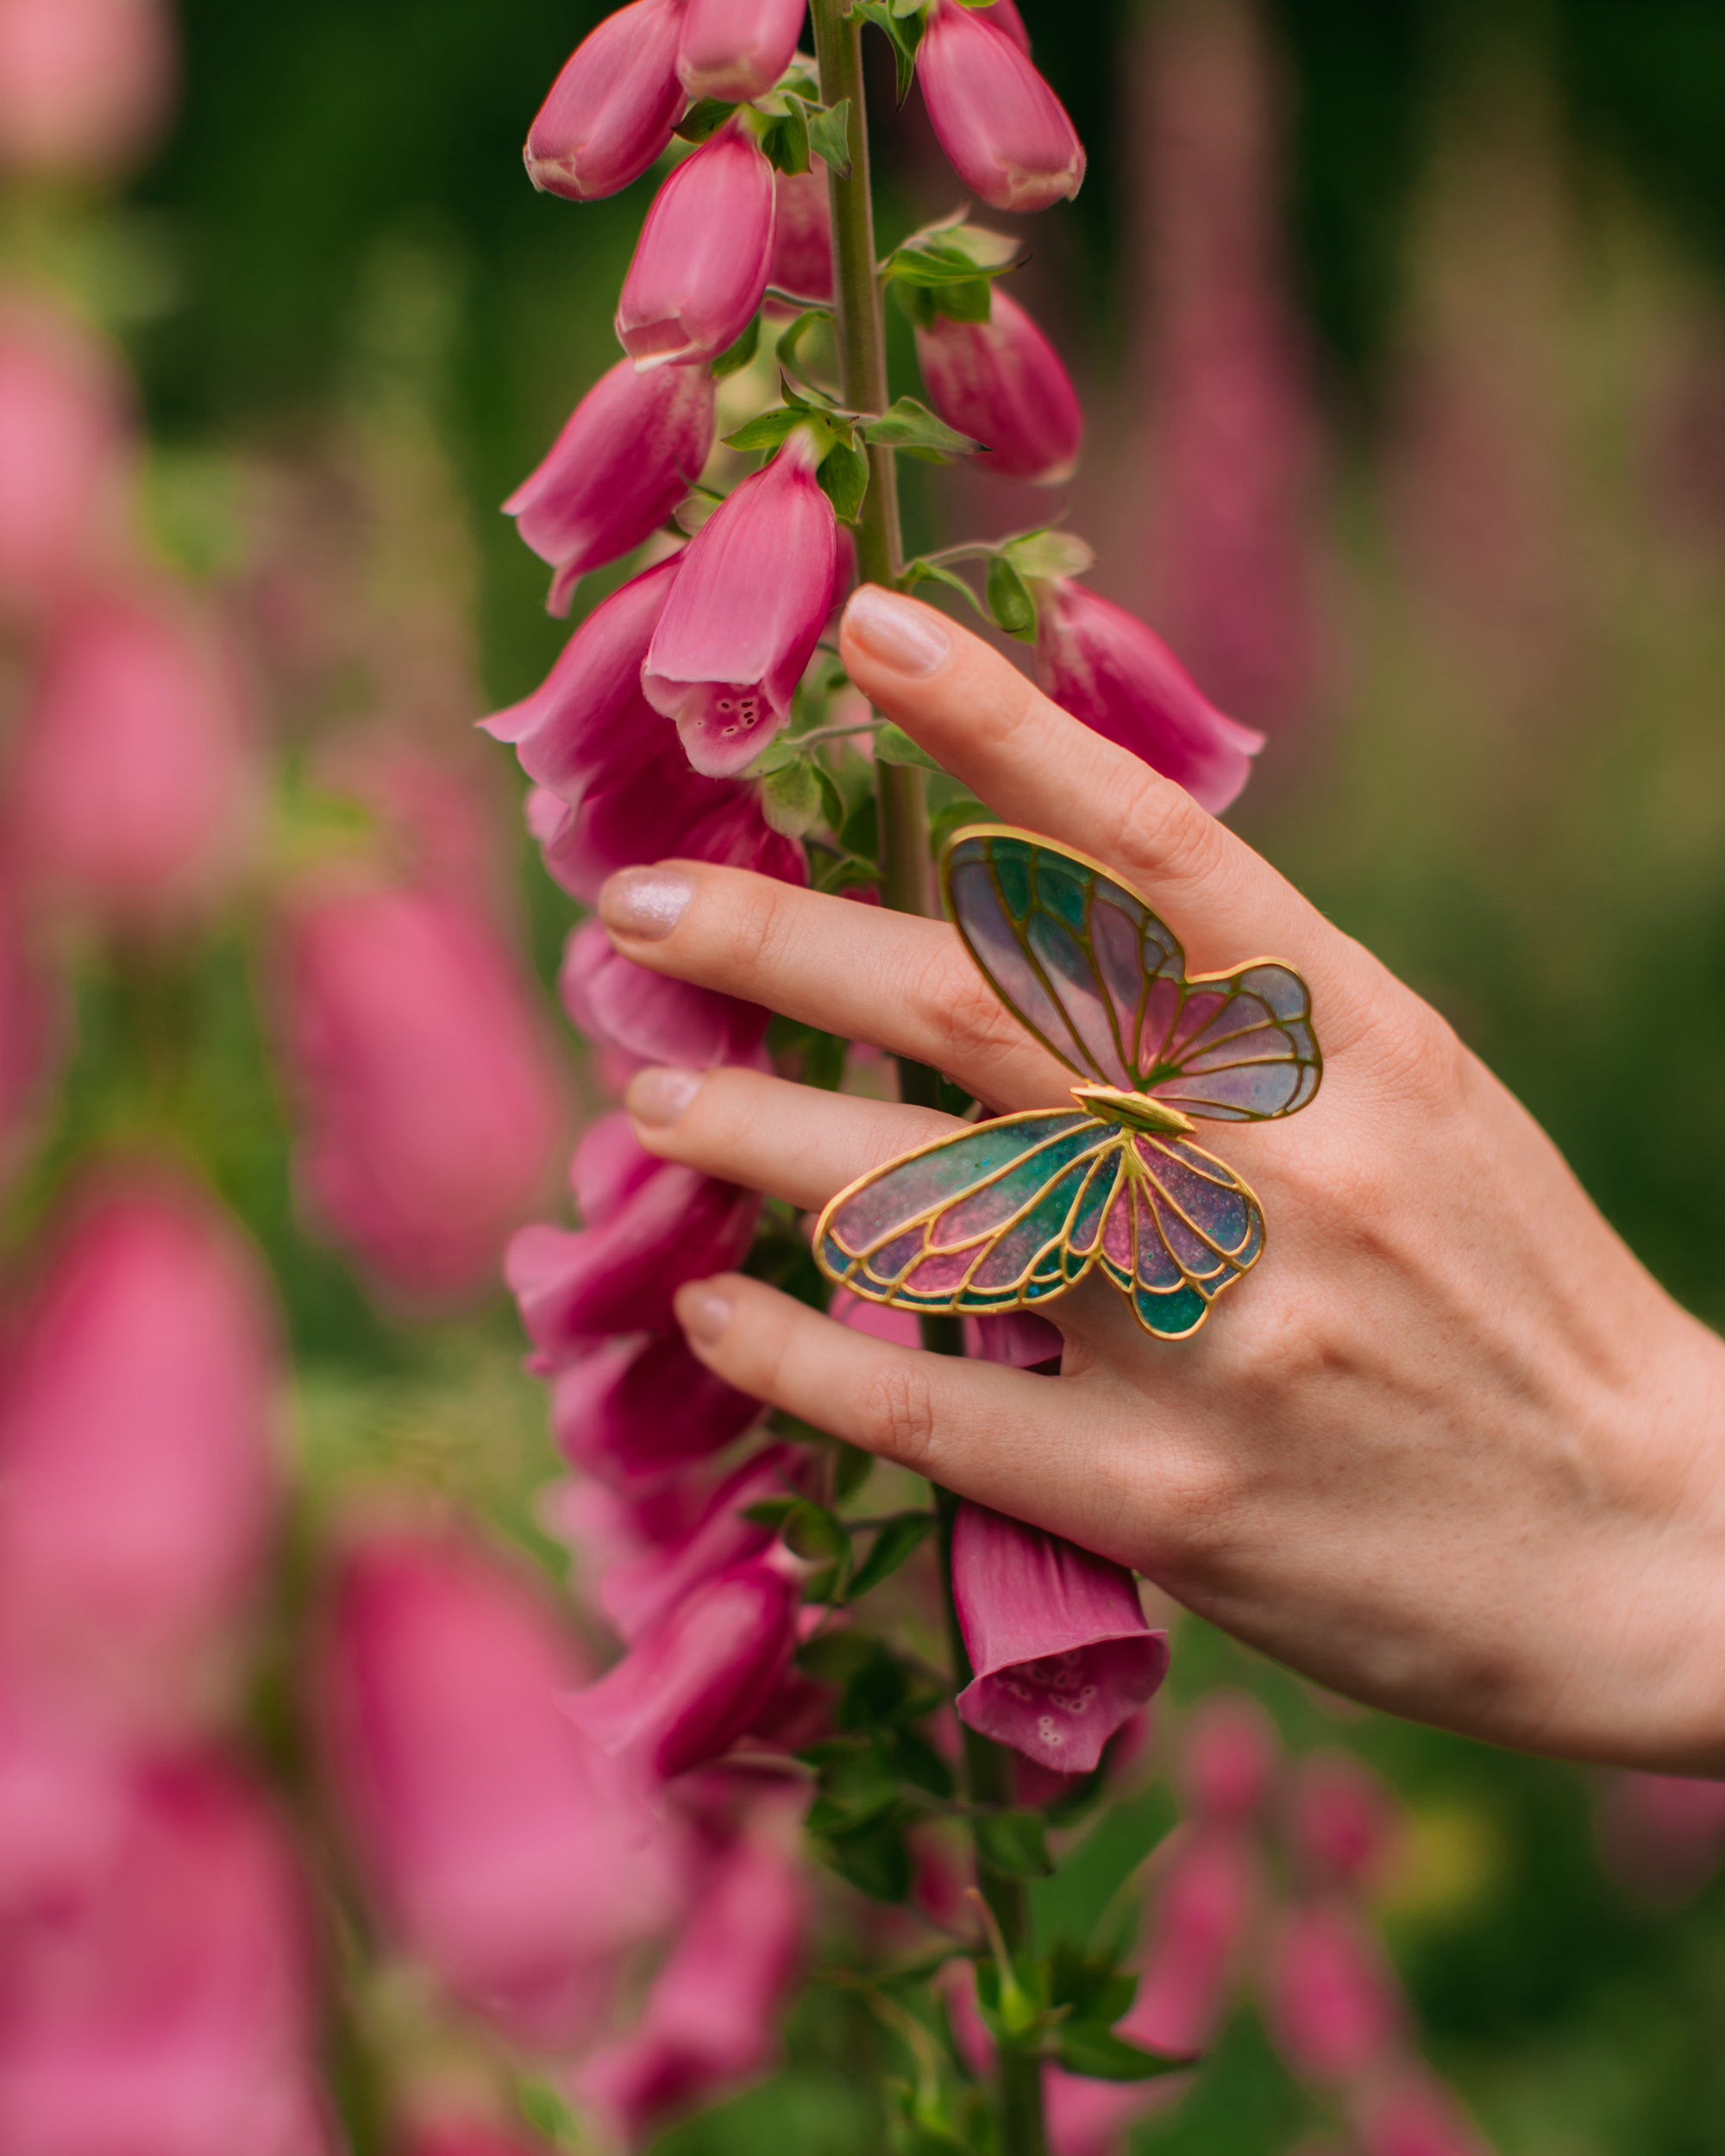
[736, 356]
[894, 1542]
[1088, 2048]
[815, 1535]
[829, 135]
[785, 138]
[766, 430]
[1009, 598]
[911, 427]
[1014, 1843]
[893, 745]
[903, 30]
[791, 799]
[922, 571]
[703, 120]
[790, 343]
[843, 478]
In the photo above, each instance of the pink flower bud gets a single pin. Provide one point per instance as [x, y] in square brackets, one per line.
[65, 450]
[737, 49]
[1005, 130]
[613, 108]
[692, 1684]
[1332, 2003]
[744, 614]
[588, 725]
[1343, 1822]
[1228, 1755]
[1059, 1646]
[135, 786]
[1417, 2116]
[1105, 667]
[634, 1412]
[166, 2009]
[619, 1272]
[1204, 1908]
[136, 1447]
[502, 1851]
[648, 1017]
[85, 86]
[433, 1109]
[700, 264]
[709, 2023]
[631, 449]
[802, 235]
[1001, 381]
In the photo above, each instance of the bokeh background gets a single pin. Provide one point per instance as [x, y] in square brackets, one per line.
[1402, 329]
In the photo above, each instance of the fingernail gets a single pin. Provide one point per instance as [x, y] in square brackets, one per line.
[645, 903]
[703, 1312]
[658, 1096]
[900, 634]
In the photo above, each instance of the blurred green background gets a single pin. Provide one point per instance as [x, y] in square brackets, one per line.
[1507, 778]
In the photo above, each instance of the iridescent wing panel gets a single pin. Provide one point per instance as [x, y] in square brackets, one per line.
[1076, 957]
[990, 1219]
[1237, 1048]
[1179, 1230]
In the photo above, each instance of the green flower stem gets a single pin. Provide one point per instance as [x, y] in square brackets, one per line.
[907, 886]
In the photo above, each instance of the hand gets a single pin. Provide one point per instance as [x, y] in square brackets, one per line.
[1447, 1448]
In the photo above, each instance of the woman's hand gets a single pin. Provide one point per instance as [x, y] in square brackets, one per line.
[1447, 1448]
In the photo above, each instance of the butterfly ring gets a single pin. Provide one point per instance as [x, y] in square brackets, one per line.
[1006, 1214]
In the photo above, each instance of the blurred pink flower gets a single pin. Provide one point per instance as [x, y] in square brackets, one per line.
[802, 235]
[135, 782]
[465, 2137]
[628, 453]
[700, 264]
[431, 1104]
[648, 1018]
[1332, 2001]
[693, 1682]
[737, 49]
[632, 1412]
[1199, 1920]
[85, 86]
[135, 1448]
[1229, 1754]
[750, 602]
[30, 1022]
[1060, 1648]
[710, 2019]
[613, 107]
[501, 1850]
[1416, 2116]
[166, 2009]
[1001, 382]
[1344, 1823]
[645, 1234]
[1005, 130]
[1107, 668]
[587, 725]
[1663, 1836]
[66, 453]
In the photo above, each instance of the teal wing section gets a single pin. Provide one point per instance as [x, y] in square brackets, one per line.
[1180, 1229]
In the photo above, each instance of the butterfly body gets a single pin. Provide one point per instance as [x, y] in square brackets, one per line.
[1009, 1213]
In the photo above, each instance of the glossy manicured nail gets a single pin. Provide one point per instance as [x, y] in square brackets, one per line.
[896, 631]
[645, 903]
[703, 1312]
[658, 1096]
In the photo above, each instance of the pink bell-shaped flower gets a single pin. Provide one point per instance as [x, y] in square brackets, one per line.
[631, 450]
[1229, 1754]
[693, 1683]
[502, 1853]
[587, 725]
[85, 86]
[1001, 382]
[433, 1107]
[66, 453]
[1107, 668]
[744, 614]
[1204, 1907]
[802, 235]
[667, 809]
[612, 110]
[700, 264]
[1005, 130]
[735, 50]
[1060, 1649]
[633, 1413]
[648, 1018]
[1332, 2003]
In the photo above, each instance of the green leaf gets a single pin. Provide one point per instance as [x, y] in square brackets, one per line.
[704, 120]
[844, 872]
[1009, 598]
[894, 1543]
[907, 424]
[905, 32]
[893, 745]
[736, 357]
[857, 1785]
[823, 1059]
[786, 137]
[922, 571]
[1014, 1843]
[829, 135]
[851, 1468]
[1047, 552]
[946, 817]
[845, 481]
[1086, 2047]
[771, 1512]
[876, 1860]
[549, 2116]
[766, 430]
[967, 299]
[815, 1533]
[790, 799]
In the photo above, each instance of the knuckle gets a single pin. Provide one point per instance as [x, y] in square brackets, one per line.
[961, 1011]
[1160, 831]
[753, 929]
[896, 1412]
